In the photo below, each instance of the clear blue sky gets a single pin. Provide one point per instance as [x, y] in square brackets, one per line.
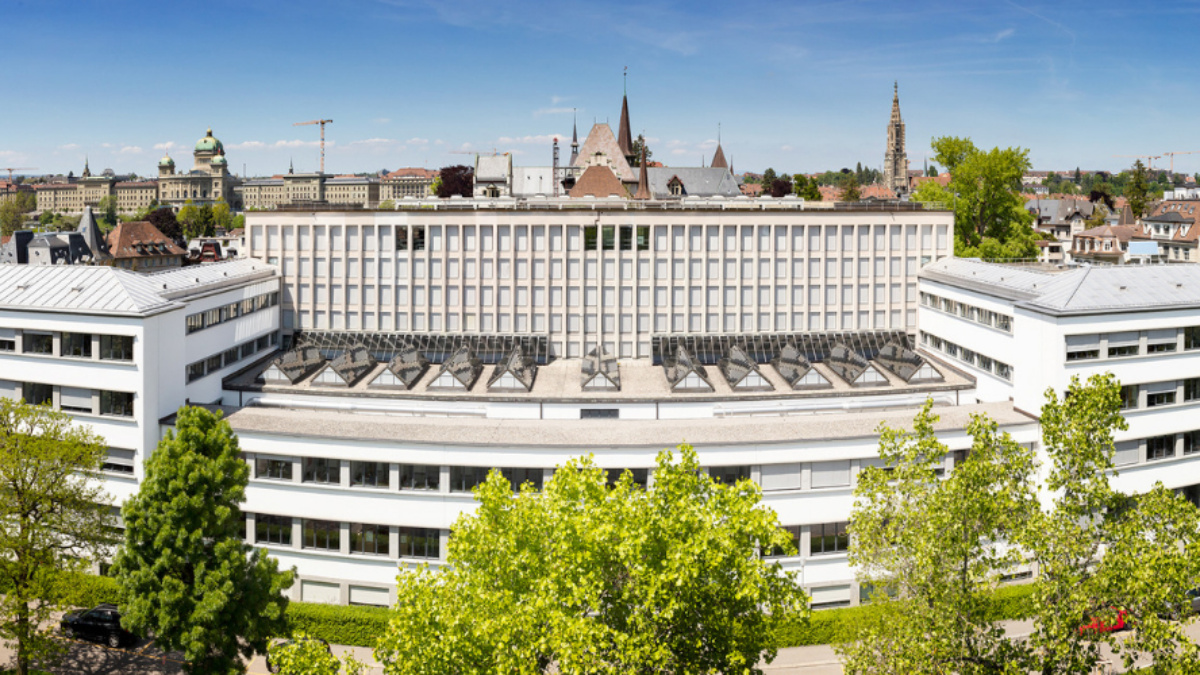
[798, 86]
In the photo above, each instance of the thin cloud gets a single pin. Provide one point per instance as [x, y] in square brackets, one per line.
[381, 120]
[374, 141]
[69, 146]
[130, 150]
[542, 139]
[299, 144]
[552, 111]
[248, 145]
[1001, 35]
[168, 146]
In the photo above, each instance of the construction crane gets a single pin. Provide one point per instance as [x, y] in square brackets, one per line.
[11, 169]
[1172, 156]
[1150, 159]
[322, 123]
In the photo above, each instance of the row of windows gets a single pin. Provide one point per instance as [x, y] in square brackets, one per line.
[824, 539]
[967, 356]
[437, 295]
[592, 269]
[1129, 343]
[219, 315]
[1156, 448]
[969, 312]
[677, 238]
[591, 323]
[71, 399]
[72, 345]
[230, 356]
[364, 538]
[1160, 393]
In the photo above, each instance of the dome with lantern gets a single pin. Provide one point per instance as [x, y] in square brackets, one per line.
[209, 144]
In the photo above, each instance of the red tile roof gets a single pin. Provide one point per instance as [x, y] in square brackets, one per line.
[141, 239]
[599, 181]
[411, 172]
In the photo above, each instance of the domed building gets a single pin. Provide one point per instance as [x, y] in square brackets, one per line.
[209, 180]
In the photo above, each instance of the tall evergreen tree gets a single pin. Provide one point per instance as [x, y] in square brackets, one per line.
[1137, 191]
[186, 573]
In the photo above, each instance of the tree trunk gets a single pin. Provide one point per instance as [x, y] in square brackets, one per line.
[22, 638]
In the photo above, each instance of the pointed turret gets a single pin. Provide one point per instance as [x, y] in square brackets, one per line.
[87, 172]
[895, 102]
[624, 137]
[643, 191]
[895, 156]
[574, 137]
[718, 160]
[92, 236]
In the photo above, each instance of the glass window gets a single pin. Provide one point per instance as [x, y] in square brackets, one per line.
[828, 538]
[116, 347]
[77, 344]
[420, 477]
[1158, 398]
[1191, 442]
[1129, 397]
[119, 460]
[213, 363]
[369, 539]
[1191, 389]
[273, 530]
[640, 476]
[369, 474]
[232, 356]
[195, 371]
[729, 474]
[37, 394]
[38, 343]
[276, 469]
[322, 470]
[418, 542]
[465, 478]
[117, 403]
[1160, 447]
[324, 535]
[195, 322]
[520, 476]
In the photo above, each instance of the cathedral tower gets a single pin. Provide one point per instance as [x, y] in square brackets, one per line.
[895, 157]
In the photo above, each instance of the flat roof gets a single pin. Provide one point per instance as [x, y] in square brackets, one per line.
[542, 433]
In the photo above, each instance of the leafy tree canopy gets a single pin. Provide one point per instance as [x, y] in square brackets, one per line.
[455, 180]
[303, 655]
[850, 191]
[186, 574]
[639, 144]
[592, 578]
[164, 219]
[57, 522]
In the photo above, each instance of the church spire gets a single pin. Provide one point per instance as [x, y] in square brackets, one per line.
[718, 160]
[574, 136]
[643, 191]
[895, 155]
[624, 137]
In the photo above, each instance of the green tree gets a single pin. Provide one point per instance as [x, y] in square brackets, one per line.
[26, 201]
[56, 517]
[46, 218]
[185, 572]
[1137, 192]
[591, 578]
[768, 177]
[196, 221]
[850, 191]
[11, 217]
[639, 144]
[950, 151]
[164, 219]
[387, 205]
[925, 545]
[806, 188]
[222, 217]
[303, 655]
[932, 171]
[107, 206]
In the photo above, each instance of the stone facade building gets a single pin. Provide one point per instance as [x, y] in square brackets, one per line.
[209, 180]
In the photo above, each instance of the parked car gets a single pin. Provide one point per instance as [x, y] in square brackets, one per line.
[274, 668]
[1098, 624]
[102, 623]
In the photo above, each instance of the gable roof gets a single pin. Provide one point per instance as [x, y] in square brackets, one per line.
[408, 365]
[464, 366]
[80, 288]
[299, 363]
[900, 360]
[492, 168]
[353, 364]
[679, 364]
[599, 181]
[601, 140]
[141, 239]
[718, 160]
[697, 182]
[518, 364]
[599, 363]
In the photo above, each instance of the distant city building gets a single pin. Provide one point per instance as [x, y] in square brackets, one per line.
[209, 180]
[294, 189]
[895, 157]
[74, 194]
[140, 246]
[85, 245]
[406, 182]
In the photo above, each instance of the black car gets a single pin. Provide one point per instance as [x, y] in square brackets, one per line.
[271, 667]
[102, 622]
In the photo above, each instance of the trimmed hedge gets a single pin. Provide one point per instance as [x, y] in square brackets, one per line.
[831, 626]
[339, 624]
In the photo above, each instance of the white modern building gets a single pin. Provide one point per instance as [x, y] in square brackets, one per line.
[1018, 331]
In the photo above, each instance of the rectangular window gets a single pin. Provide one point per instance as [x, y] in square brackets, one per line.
[116, 347]
[195, 371]
[1160, 447]
[419, 542]
[273, 530]
[1083, 347]
[322, 470]
[729, 474]
[369, 474]
[119, 460]
[1191, 389]
[590, 242]
[419, 477]
[1161, 341]
[1191, 442]
[322, 535]
[1160, 393]
[231, 356]
[369, 539]
[828, 538]
[777, 552]
[78, 345]
[831, 474]
[38, 343]
[1129, 397]
[520, 476]
[1191, 337]
[599, 413]
[195, 322]
[74, 399]
[1123, 344]
[274, 469]
[465, 478]
[116, 403]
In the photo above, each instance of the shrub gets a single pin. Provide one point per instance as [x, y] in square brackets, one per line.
[338, 624]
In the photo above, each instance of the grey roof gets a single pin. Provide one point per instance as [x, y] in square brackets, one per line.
[408, 365]
[1059, 211]
[92, 237]
[599, 363]
[79, 289]
[849, 365]
[1169, 217]
[464, 366]
[353, 364]
[697, 181]
[520, 365]
[528, 181]
[736, 366]
[679, 364]
[493, 167]
[1084, 290]
[792, 365]
[181, 281]
[900, 360]
[299, 363]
